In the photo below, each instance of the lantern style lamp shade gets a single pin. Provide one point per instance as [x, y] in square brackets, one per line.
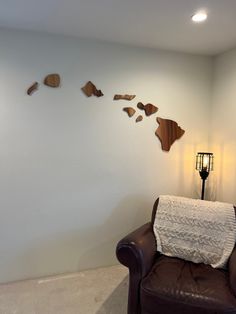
[204, 164]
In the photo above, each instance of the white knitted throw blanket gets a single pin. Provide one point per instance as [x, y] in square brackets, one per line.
[195, 230]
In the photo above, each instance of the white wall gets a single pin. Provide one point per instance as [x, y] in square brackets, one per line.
[76, 173]
[223, 126]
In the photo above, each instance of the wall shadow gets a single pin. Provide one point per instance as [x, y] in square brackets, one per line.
[129, 214]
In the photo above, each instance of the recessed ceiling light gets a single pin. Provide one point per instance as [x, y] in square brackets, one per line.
[199, 17]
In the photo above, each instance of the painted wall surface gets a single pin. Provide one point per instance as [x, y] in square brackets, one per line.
[76, 173]
[223, 127]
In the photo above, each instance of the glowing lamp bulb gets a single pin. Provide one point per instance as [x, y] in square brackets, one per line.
[199, 17]
[205, 161]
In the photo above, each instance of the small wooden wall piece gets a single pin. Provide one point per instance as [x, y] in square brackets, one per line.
[32, 88]
[140, 106]
[130, 111]
[139, 118]
[125, 97]
[90, 89]
[52, 80]
[148, 108]
[168, 132]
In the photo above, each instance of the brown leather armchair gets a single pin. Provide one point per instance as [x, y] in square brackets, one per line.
[160, 285]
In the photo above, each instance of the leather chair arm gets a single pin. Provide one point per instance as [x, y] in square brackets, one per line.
[232, 270]
[137, 250]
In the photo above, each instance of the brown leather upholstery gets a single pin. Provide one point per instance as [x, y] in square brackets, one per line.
[232, 270]
[163, 285]
[173, 282]
[137, 251]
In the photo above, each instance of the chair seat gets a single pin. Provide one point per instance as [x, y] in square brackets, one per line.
[185, 287]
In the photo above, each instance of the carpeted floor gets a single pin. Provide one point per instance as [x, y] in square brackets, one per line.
[99, 291]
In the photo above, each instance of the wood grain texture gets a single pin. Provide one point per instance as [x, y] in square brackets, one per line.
[130, 111]
[125, 97]
[90, 89]
[148, 108]
[168, 132]
[52, 80]
[139, 118]
[32, 88]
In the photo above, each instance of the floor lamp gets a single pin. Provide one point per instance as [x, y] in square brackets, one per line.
[204, 164]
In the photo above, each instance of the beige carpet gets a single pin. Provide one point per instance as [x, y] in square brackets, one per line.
[99, 291]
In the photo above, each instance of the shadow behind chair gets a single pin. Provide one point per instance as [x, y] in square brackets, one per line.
[160, 285]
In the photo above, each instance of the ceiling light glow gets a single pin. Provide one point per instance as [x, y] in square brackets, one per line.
[199, 17]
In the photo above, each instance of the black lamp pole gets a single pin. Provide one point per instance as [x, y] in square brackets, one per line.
[204, 164]
[203, 174]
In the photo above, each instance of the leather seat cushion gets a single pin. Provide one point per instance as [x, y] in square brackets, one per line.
[178, 286]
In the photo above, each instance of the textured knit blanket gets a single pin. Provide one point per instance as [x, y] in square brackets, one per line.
[195, 230]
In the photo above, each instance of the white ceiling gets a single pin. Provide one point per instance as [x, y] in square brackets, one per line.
[164, 24]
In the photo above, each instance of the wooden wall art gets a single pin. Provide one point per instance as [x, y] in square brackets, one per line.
[139, 118]
[125, 97]
[168, 132]
[32, 88]
[131, 111]
[90, 89]
[149, 108]
[52, 80]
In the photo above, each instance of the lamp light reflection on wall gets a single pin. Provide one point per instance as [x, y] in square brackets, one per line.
[204, 164]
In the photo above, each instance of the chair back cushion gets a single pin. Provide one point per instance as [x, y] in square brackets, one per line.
[195, 230]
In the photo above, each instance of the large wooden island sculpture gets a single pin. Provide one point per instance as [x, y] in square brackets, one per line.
[168, 132]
